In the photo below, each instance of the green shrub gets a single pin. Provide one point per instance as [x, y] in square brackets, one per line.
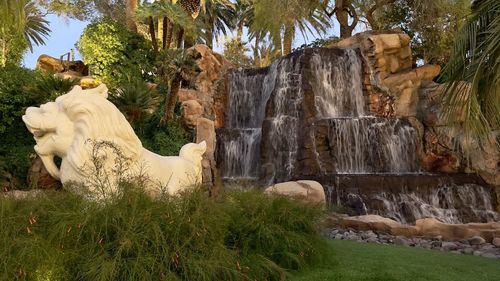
[19, 89]
[111, 50]
[240, 236]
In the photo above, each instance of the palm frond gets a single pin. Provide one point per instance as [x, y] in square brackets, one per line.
[472, 98]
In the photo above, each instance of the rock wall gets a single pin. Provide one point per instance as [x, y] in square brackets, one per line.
[201, 109]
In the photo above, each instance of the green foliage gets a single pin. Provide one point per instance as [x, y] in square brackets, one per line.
[19, 89]
[320, 42]
[111, 50]
[135, 99]
[281, 19]
[22, 25]
[235, 53]
[164, 140]
[472, 99]
[432, 27]
[173, 12]
[240, 236]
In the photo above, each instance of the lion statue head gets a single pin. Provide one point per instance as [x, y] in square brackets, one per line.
[65, 127]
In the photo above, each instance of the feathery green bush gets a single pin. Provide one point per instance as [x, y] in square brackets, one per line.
[239, 236]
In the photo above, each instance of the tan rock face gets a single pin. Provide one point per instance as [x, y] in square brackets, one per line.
[212, 67]
[390, 82]
[192, 110]
[310, 191]
[205, 131]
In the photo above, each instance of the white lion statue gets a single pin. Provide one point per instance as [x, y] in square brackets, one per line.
[66, 128]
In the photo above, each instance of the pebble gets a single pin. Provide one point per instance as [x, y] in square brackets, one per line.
[476, 245]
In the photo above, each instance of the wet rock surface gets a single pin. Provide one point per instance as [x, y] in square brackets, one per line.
[466, 247]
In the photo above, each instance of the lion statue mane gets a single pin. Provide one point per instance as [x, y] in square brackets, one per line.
[67, 127]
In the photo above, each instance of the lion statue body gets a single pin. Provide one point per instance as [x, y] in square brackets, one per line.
[72, 128]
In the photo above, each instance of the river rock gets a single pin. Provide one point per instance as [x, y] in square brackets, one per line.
[310, 191]
[477, 240]
[449, 246]
[496, 242]
[401, 241]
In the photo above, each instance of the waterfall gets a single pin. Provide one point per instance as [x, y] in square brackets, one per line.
[305, 117]
[337, 85]
[408, 198]
[271, 112]
[371, 145]
[248, 93]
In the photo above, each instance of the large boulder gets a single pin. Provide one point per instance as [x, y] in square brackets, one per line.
[310, 191]
[54, 65]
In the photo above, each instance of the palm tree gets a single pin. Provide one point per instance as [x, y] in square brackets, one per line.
[36, 28]
[21, 26]
[219, 16]
[131, 7]
[475, 104]
[135, 99]
[171, 13]
[282, 18]
[175, 65]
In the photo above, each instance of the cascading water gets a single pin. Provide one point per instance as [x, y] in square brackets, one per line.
[359, 143]
[406, 198]
[249, 91]
[305, 117]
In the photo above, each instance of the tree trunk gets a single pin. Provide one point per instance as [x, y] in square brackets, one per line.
[160, 31]
[165, 31]
[343, 18]
[153, 35]
[131, 7]
[171, 99]
[170, 33]
[180, 36]
[210, 33]
[256, 55]
[288, 39]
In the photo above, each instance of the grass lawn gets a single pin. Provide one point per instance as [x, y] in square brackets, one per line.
[349, 260]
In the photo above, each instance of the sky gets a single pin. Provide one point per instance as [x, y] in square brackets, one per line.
[66, 32]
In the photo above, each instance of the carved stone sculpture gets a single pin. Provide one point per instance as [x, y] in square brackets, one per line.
[70, 128]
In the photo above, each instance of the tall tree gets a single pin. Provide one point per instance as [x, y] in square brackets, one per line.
[130, 14]
[431, 24]
[344, 10]
[282, 18]
[21, 27]
[218, 18]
